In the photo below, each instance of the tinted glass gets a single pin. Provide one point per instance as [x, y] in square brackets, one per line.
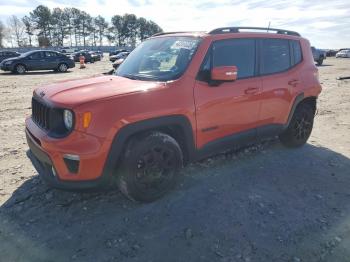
[296, 51]
[236, 52]
[275, 56]
[50, 54]
[36, 55]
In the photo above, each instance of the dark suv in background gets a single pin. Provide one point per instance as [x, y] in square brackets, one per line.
[8, 54]
[37, 60]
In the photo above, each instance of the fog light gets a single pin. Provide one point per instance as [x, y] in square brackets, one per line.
[72, 157]
[72, 162]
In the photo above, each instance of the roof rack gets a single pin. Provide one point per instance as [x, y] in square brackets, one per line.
[168, 33]
[179, 32]
[224, 30]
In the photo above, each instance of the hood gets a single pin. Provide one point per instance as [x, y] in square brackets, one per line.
[75, 92]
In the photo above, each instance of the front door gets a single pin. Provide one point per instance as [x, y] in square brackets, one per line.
[36, 61]
[231, 108]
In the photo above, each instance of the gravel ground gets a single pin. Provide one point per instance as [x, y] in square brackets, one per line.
[261, 203]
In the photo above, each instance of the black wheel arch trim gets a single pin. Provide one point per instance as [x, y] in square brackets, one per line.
[297, 100]
[126, 132]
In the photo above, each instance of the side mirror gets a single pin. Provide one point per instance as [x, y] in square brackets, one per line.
[224, 73]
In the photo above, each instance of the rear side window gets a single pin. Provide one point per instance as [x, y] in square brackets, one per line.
[236, 52]
[275, 56]
[296, 50]
[50, 54]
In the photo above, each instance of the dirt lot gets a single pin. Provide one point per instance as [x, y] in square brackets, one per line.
[262, 203]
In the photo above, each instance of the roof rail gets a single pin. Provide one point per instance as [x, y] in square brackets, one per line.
[168, 33]
[224, 30]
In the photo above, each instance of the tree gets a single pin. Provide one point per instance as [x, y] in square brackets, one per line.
[130, 28]
[17, 29]
[86, 25]
[101, 26]
[76, 23]
[41, 16]
[116, 29]
[59, 26]
[29, 28]
[2, 34]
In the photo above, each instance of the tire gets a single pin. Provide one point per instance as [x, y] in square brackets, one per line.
[299, 128]
[320, 61]
[150, 167]
[62, 68]
[20, 69]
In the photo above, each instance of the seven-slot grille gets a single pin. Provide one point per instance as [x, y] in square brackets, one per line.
[41, 114]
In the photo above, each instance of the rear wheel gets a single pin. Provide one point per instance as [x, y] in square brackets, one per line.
[62, 68]
[300, 127]
[150, 167]
[20, 69]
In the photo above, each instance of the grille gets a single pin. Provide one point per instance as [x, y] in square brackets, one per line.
[41, 114]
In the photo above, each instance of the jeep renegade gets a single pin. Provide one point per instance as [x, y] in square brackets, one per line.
[178, 97]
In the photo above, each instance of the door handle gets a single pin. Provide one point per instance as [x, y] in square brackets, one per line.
[251, 90]
[293, 82]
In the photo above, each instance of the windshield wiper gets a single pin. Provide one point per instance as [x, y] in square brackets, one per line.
[130, 76]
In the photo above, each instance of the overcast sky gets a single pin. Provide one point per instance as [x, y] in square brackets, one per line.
[325, 23]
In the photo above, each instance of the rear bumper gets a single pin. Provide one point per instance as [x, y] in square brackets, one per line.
[45, 168]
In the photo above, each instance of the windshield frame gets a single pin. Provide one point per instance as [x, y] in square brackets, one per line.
[143, 77]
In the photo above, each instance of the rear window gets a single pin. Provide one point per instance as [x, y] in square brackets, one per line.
[296, 50]
[275, 56]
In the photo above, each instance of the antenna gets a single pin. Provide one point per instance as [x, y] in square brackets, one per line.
[268, 26]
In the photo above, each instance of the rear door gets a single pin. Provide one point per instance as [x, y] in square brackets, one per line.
[231, 107]
[51, 60]
[279, 70]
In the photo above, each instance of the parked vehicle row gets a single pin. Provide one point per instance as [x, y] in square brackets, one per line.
[37, 60]
[343, 53]
[121, 55]
[319, 55]
[44, 60]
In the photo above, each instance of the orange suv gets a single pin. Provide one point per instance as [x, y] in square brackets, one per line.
[178, 97]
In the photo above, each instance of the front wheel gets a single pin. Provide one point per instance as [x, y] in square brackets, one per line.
[20, 69]
[150, 167]
[299, 128]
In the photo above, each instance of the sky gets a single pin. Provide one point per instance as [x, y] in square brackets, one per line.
[325, 23]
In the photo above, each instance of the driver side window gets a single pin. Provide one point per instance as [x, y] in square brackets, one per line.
[37, 55]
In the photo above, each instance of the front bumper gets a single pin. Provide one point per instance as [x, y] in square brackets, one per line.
[52, 170]
[4, 67]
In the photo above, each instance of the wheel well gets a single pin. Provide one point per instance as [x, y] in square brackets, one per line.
[175, 131]
[311, 101]
[21, 65]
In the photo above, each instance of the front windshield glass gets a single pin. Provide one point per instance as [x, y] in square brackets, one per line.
[27, 53]
[159, 59]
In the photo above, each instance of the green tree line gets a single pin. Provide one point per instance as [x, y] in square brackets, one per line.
[74, 27]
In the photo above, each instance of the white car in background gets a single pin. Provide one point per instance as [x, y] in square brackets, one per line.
[343, 53]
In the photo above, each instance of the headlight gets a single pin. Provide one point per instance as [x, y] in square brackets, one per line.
[68, 119]
[8, 63]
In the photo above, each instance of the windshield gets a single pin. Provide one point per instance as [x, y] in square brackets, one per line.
[159, 59]
[27, 53]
